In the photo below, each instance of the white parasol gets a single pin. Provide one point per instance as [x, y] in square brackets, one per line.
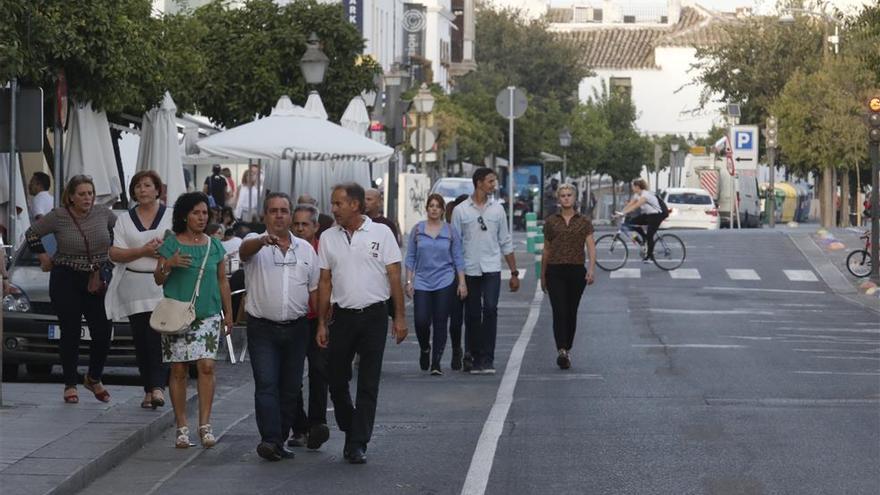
[89, 151]
[160, 150]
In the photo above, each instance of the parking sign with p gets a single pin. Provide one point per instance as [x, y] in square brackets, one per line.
[745, 146]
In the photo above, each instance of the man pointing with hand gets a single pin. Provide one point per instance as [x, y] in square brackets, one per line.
[360, 269]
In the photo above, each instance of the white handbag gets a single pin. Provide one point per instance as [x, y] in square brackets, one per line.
[172, 316]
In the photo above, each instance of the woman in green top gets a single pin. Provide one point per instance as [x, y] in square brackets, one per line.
[180, 259]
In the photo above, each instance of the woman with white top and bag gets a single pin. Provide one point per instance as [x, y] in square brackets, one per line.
[132, 293]
[192, 270]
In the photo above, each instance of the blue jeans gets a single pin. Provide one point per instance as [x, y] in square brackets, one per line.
[277, 353]
[482, 317]
[431, 309]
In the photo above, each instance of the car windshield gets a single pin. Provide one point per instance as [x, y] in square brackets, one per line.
[689, 199]
[452, 189]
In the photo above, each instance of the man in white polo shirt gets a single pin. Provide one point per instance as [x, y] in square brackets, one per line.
[360, 270]
[281, 275]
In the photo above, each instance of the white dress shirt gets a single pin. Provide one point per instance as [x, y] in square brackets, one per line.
[482, 248]
[278, 284]
[358, 265]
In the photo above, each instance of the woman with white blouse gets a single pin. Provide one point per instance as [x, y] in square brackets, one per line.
[132, 292]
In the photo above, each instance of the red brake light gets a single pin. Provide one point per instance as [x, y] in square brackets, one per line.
[712, 212]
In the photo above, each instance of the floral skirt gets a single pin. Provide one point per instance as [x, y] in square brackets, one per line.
[200, 341]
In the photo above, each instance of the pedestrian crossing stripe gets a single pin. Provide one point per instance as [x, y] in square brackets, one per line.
[742, 274]
[627, 273]
[685, 273]
[800, 275]
[732, 273]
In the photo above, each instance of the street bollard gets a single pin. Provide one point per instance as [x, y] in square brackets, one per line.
[531, 231]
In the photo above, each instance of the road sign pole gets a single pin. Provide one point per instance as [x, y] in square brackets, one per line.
[875, 211]
[510, 115]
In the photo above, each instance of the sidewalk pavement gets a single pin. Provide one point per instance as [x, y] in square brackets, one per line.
[826, 250]
[49, 447]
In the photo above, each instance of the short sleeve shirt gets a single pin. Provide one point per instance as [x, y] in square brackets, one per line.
[182, 281]
[358, 263]
[651, 205]
[567, 241]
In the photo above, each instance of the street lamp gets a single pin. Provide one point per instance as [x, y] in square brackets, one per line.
[314, 62]
[565, 142]
[690, 140]
[673, 177]
[423, 103]
[396, 81]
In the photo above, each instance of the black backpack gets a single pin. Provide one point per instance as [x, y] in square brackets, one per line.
[664, 210]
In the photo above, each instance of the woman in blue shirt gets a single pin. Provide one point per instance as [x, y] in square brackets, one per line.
[434, 277]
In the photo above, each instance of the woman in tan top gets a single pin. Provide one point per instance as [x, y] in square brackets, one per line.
[563, 274]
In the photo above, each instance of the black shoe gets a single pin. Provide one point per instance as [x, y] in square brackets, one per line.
[318, 434]
[286, 453]
[563, 361]
[456, 359]
[467, 363]
[269, 451]
[435, 368]
[425, 359]
[298, 440]
[356, 455]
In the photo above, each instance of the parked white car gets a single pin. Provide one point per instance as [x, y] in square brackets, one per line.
[452, 187]
[690, 208]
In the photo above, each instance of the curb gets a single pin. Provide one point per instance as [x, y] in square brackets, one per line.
[126, 446]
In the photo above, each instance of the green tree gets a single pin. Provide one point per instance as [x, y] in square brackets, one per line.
[263, 43]
[756, 60]
[513, 51]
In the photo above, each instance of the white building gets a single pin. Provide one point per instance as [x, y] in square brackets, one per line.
[649, 50]
[531, 9]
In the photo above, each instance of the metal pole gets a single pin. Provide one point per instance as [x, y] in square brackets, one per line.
[422, 150]
[875, 211]
[671, 179]
[13, 163]
[564, 165]
[511, 90]
[58, 151]
[771, 159]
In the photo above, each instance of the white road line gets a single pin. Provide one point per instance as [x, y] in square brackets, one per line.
[832, 330]
[742, 274]
[746, 289]
[743, 337]
[505, 274]
[685, 273]
[849, 373]
[801, 275]
[875, 351]
[692, 346]
[875, 358]
[484, 455]
[627, 273]
[710, 311]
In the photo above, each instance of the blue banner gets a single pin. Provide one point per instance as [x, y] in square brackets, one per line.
[354, 13]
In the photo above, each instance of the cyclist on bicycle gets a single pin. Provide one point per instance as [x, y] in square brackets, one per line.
[650, 214]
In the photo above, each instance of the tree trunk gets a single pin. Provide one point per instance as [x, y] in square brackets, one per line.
[845, 206]
[828, 198]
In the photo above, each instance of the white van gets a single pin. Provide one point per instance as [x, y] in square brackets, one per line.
[709, 172]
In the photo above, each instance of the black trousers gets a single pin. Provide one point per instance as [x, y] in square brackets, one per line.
[317, 413]
[361, 332]
[565, 284]
[148, 351]
[71, 300]
[652, 222]
[456, 320]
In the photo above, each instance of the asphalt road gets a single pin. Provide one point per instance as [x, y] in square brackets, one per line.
[747, 376]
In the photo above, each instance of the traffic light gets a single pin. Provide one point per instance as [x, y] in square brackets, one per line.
[771, 132]
[874, 120]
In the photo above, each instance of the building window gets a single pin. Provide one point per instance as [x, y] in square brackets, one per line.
[583, 14]
[621, 86]
[597, 15]
[629, 19]
[664, 19]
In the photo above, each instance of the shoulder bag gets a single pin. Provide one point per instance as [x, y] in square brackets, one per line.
[171, 316]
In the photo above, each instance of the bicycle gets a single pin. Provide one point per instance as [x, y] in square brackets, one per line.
[858, 262]
[612, 250]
